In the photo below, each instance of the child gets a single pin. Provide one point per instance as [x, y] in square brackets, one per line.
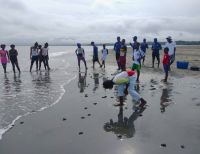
[13, 57]
[80, 53]
[125, 81]
[137, 59]
[166, 63]
[95, 54]
[104, 55]
[122, 59]
[4, 57]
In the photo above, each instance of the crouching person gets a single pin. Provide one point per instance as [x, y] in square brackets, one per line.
[126, 81]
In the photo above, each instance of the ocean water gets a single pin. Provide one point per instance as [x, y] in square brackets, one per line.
[27, 93]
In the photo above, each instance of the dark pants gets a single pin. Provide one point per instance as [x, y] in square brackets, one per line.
[42, 59]
[34, 59]
[117, 55]
[14, 63]
[79, 60]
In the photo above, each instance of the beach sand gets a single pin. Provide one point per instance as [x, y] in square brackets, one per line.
[85, 120]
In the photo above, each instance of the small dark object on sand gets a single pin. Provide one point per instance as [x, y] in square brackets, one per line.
[89, 115]
[111, 97]
[119, 136]
[104, 96]
[126, 108]
[64, 119]
[182, 147]
[33, 111]
[86, 95]
[21, 122]
[80, 133]
[153, 89]
[82, 117]
[95, 103]
[140, 115]
[85, 108]
[194, 68]
[163, 145]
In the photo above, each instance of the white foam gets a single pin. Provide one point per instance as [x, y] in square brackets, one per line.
[57, 54]
[4, 130]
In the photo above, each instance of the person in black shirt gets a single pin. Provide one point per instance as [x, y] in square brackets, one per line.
[13, 57]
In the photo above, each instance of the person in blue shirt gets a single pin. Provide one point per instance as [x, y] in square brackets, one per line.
[95, 54]
[117, 47]
[156, 47]
[134, 45]
[144, 46]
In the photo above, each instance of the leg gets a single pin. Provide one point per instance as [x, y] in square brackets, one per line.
[32, 62]
[44, 63]
[85, 63]
[36, 64]
[143, 60]
[79, 61]
[40, 61]
[117, 59]
[4, 67]
[13, 66]
[120, 93]
[153, 60]
[17, 65]
[158, 59]
[138, 75]
[99, 63]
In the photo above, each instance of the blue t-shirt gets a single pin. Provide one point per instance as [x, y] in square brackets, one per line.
[95, 51]
[156, 47]
[117, 47]
[144, 47]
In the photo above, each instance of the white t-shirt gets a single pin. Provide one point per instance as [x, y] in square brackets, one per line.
[171, 47]
[44, 51]
[137, 57]
[121, 75]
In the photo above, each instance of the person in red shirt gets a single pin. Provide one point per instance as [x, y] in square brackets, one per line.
[166, 60]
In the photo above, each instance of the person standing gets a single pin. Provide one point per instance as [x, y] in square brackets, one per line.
[166, 63]
[144, 46]
[172, 49]
[104, 55]
[41, 57]
[117, 47]
[13, 57]
[134, 45]
[122, 59]
[95, 54]
[136, 63]
[156, 47]
[34, 55]
[4, 57]
[80, 53]
[45, 54]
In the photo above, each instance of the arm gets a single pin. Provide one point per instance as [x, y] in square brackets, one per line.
[30, 52]
[107, 51]
[8, 56]
[16, 53]
[76, 52]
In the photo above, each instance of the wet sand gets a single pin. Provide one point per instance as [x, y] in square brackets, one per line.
[85, 120]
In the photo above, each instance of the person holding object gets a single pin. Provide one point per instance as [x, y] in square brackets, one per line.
[126, 81]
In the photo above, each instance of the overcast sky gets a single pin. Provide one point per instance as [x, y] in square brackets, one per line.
[70, 21]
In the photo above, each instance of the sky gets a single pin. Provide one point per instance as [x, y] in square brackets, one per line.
[71, 21]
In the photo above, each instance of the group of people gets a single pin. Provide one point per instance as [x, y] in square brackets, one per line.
[126, 79]
[37, 54]
[80, 53]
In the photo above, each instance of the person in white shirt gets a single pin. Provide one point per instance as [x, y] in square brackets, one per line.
[137, 59]
[172, 49]
[104, 55]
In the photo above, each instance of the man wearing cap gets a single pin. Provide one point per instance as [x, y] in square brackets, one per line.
[172, 48]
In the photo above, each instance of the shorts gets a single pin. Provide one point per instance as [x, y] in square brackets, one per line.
[34, 58]
[95, 59]
[166, 67]
[136, 67]
[120, 90]
[156, 55]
